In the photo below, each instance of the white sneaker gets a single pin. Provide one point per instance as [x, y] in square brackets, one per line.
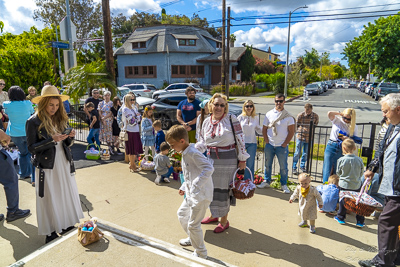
[157, 180]
[285, 189]
[185, 242]
[200, 256]
[264, 184]
[167, 180]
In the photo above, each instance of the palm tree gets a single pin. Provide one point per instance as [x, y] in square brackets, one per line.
[82, 79]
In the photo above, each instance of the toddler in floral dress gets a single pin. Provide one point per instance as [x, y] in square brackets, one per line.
[308, 196]
[148, 138]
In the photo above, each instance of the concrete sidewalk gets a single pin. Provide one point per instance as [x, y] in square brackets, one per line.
[263, 229]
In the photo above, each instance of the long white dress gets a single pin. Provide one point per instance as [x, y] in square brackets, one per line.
[60, 207]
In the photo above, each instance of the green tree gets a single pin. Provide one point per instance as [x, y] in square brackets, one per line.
[312, 59]
[82, 79]
[29, 64]
[85, 14]
[325, 59]
[247, 64]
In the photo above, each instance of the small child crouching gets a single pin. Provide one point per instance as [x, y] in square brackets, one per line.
[307, 195]
[162, 164]
[198, 187]
[330, 194]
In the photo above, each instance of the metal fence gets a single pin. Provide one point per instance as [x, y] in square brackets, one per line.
[317, 141]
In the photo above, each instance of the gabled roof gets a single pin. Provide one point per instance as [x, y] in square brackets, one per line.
[235, 53]
[160, 37]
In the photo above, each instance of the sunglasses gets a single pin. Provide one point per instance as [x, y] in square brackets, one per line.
[219, 105]
[95, 93]
[249, 106]
[346, 119]
[3, 84]
[133, 99]
[279, 101]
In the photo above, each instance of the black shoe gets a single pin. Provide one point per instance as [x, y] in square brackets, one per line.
[367, 263]
[303, 169]
[64, 231]
[1, 217]
[51, 237]
[17, 215]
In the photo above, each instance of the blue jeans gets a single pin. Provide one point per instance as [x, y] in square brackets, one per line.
[333, 151]
[9, 179]
[25, 165]
[251, 149]
[94, 133]
[168, 174]
[300, 145]
[282, 155]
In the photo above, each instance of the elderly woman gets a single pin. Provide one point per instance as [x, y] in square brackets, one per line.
[3, 94]
[250, 125]
[106, 119]
[32, 93]
[131, 119]
[58, 206]
[222, 136]
[19, 110]
[343, 126]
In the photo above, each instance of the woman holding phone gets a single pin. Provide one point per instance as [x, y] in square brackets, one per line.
[49, 139]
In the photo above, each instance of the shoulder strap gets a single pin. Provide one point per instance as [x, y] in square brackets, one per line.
[233, 129]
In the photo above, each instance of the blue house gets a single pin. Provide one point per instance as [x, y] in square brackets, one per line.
[173, 53]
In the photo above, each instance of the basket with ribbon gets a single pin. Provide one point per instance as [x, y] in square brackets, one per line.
[359, 202]
[243, 189]
[92, 153]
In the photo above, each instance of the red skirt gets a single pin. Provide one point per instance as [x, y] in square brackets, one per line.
[134, 144]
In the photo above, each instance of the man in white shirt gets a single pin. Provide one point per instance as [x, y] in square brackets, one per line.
[278, 130]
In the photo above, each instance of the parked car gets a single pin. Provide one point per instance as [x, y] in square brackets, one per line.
[177, 87]
[141, 100]
[352, 85]
[385, 88]
[340, 84]
[165, 107]
[323, 85]
[143, 89]
[330, 84]
[369, 89]
[313, 89]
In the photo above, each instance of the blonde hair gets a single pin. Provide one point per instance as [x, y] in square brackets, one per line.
[333, 179]
[244, 113]
[176, 133]
[352, 113]
[157, 123]
[31, 88]
[127, 101]
[305, 175]
[349, 145]
[146, 111]
[218, 95]
[52, 124]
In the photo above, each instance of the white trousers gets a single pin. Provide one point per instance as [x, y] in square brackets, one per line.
[190, 219]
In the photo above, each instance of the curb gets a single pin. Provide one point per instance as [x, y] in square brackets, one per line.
[293, 98]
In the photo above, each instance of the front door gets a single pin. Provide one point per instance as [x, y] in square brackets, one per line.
[215, 75]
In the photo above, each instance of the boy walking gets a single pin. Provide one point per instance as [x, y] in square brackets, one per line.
[163, 165]
[94, 124]
[198, 186]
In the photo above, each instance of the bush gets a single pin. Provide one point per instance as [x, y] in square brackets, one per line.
[242, 89]
[274, 82]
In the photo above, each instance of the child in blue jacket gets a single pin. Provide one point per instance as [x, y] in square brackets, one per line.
[330, 194]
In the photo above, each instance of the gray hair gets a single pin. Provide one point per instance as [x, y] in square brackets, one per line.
[95, 90]
[393, 100]
[107, 93]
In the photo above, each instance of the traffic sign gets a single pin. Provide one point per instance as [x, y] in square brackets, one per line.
[281, 62]
[60, 45]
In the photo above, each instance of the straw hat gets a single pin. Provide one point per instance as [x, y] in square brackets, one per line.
[49, 90]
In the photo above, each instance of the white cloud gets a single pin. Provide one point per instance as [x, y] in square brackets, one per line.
[18, 15]
[148, 5]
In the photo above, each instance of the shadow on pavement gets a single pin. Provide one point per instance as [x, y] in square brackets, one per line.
[259, 243]
[80, 160]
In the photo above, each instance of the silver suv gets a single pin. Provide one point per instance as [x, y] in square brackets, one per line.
[176, 88]
[142, 89]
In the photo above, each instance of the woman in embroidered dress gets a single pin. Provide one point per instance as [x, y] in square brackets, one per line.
[106, 119]
[250, 125]
[131, 119]
[343, 126]
[219, 139]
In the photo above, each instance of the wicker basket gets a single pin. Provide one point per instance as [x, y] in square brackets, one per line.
[239, 194]
[354, 205]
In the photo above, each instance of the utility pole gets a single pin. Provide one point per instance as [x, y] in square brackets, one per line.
[320, 70]
[228, 44]
[69, 34]
[108, 46]
[223, 81]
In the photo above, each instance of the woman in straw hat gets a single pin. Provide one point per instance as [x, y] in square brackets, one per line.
[57, 201]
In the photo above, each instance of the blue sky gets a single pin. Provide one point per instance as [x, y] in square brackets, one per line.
[326, 36]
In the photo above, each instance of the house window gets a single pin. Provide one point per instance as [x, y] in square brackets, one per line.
[269, 57]
[141, 72]
[136, 45]
[185, 71]
[187, 42]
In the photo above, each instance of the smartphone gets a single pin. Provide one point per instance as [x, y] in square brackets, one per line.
[67, 131]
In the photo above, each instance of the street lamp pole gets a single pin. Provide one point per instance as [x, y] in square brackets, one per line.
[287, 51]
